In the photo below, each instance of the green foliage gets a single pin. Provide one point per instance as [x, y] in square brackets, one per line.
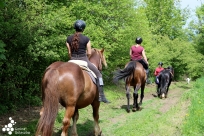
[2, 52]
[179, 54]
[33, 35]
[199, 29]
[193, 124]
[165, 18]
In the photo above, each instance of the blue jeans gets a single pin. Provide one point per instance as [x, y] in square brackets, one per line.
[156, 80]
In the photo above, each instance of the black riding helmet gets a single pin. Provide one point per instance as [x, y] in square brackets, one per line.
[160, 63]
[138, 40]
[79, 25]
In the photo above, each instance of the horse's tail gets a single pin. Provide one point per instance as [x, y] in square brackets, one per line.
[50, 103]
[126, 72]
[162, 81]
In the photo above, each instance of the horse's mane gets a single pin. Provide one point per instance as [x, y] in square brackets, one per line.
[95, 51]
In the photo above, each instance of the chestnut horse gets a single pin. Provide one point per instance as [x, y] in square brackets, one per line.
[66, 83]
[134, 75]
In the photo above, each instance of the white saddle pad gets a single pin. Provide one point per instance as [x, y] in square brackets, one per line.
[83, 65]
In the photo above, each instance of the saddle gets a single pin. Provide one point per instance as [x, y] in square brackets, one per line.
[84, 66]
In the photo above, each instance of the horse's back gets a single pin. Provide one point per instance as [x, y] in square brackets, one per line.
[67, 71]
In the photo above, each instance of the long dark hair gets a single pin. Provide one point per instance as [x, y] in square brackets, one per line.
[75, 42]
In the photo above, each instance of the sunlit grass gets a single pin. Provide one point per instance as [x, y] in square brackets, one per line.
[193, 124]
[115, 121]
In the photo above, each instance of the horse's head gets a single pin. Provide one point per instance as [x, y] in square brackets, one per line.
[98, 58]
[171, 70]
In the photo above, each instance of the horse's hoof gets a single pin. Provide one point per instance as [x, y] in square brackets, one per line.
[134, 109]
[139, 109]
[154, 95]
[140, 103]
[128, 110]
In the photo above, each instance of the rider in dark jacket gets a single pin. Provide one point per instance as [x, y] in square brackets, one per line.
[77, 45]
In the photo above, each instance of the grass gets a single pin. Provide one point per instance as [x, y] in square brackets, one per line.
[193, 124]
[115, 121]
[158, 117]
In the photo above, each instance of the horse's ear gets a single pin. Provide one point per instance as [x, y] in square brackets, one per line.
[102, 50]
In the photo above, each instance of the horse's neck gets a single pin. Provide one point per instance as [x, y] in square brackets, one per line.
[95, 59]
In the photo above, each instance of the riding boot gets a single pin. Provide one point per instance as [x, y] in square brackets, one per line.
[102, 97]
[147, 80]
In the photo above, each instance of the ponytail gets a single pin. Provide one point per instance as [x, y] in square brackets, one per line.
[75, 42]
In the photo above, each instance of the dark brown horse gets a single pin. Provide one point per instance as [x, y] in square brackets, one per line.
[134, 75]
[66, 83]
[165, 77]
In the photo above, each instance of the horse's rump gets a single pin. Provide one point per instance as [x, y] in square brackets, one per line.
[72, 78]
[133, 72]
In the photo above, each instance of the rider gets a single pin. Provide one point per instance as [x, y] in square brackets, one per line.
[157, 71]
[77, 45]
[137, 52]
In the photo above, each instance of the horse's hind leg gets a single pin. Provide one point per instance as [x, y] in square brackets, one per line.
[142, 94]
[66, 121]
[167, 90]
[135, 97]
[75, 118]
[158, 90]
[95, 107]
[128, 97]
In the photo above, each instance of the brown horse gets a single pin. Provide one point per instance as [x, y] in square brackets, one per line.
[66, 83]
[134, 75]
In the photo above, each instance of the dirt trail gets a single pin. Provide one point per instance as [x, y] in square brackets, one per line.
[166, 114]
[174, 96]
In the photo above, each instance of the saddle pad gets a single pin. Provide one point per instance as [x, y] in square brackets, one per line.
[83, 65]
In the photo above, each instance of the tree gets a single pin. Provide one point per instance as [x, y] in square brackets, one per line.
[165, 18]
[198, 27]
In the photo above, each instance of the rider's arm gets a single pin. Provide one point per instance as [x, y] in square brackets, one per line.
[69, 50]
[89, 49]
[155, 72]
[144, 56]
